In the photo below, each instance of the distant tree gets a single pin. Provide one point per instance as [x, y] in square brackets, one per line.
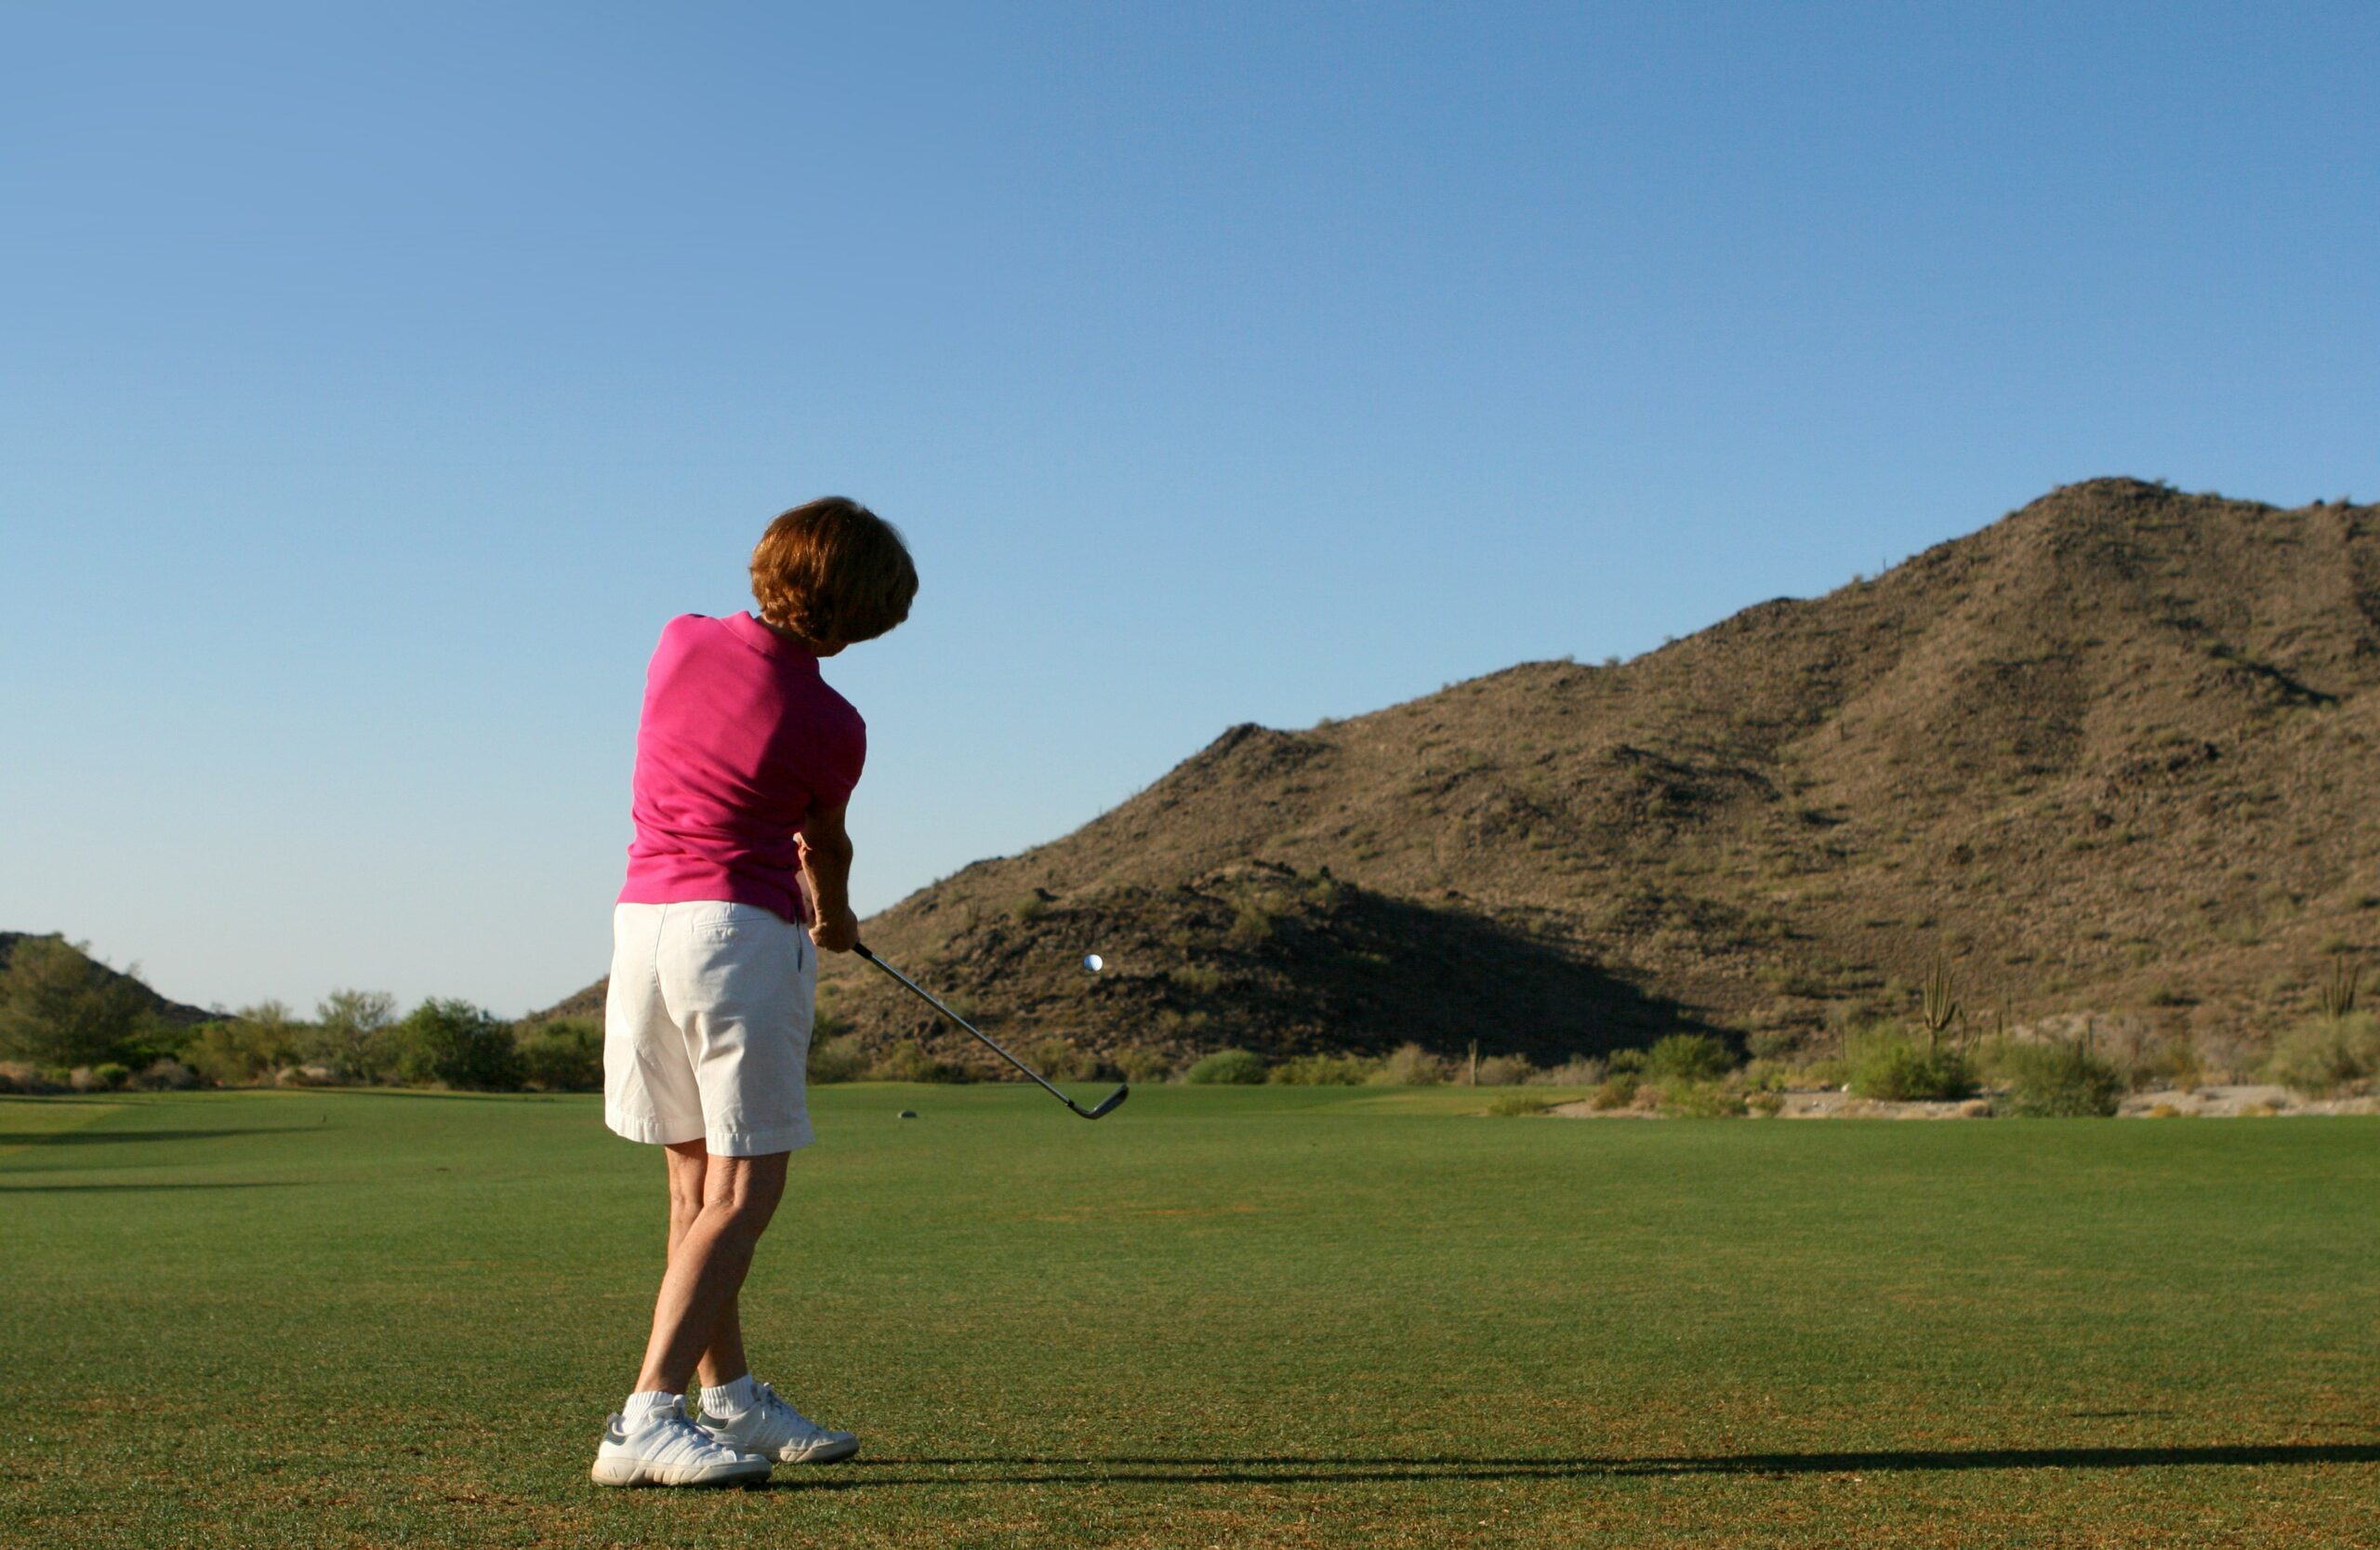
[252, 1042]
[456, 1043]
[564, 1052]
[349, 1033]
[58, 1006]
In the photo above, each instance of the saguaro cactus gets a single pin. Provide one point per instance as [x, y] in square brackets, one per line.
[1938, 1006]
[2338, 997]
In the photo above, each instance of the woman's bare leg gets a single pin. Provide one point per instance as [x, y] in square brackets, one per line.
[719, 1207]
[722, 1360]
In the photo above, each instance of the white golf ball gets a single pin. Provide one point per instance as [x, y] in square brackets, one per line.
[1093, 963]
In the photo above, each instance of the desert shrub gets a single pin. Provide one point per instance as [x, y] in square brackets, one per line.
[354, 1035]
[1618, 1090]
[1692, 1057]
[836, 1057]
[1626, 1061]
[2173, 1061]
[1773, 1043]
[2230, 1054]
[2323, 1055]
[1766, 1076]
[454, 1043]
[246, 1047]
[1060, 1061]
[1323, 1070]
[972, 1010]
[1766, 1103]
[907, 1062]
[1859, 1017]
[1251, 922]
[60, 1007]
[563, 1055]
[1228, 1069]
[2060, 1079]
[1138, 1065]
[166, 1074]
[1505, 1070]
[1580, 1070]
[1793, 979]
[1197, 978]
[1409, 1066]
[1889, 1065]
[1700, 1100]
[1512, 1104]
[24, 1076]
[1028, 908]
[111, 1074]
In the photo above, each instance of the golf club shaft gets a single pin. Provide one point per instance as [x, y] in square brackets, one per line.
[933, 1002]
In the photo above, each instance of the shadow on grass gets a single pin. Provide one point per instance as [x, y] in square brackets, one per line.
[105, 1137]
[78, 1189]
[1290, 1470]
[444, 1095]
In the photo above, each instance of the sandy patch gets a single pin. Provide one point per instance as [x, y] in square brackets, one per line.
[2250, 1101]
[2254, 1101]
[1817, 1103]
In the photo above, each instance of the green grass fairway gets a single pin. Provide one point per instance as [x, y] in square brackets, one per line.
[1270, 1316]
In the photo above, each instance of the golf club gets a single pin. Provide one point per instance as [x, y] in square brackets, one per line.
[1104, 1105]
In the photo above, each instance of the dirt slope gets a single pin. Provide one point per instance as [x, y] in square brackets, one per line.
[2114, 752]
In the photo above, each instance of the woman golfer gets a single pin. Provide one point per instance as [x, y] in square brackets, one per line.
[738, 874]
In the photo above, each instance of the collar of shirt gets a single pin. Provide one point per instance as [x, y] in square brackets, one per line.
[767, 642]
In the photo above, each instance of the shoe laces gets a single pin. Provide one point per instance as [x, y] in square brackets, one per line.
[775, 1409]
[678, 1432]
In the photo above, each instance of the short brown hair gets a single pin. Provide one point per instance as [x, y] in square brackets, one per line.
[833, 570]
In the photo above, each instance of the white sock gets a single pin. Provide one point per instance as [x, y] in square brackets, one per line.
[731, 1399]
[647, 1403]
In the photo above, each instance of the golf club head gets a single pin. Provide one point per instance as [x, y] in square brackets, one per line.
[1105, 1106]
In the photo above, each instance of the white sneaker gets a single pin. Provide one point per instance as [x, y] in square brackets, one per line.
[776, 1430]
[668, 1450]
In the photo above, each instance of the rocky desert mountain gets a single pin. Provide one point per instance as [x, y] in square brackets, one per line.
[171, 1012]
[2115, 753]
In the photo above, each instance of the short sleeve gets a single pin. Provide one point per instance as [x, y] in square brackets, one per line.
[839, 774]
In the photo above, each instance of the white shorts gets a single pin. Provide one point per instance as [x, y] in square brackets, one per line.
[706, 1027]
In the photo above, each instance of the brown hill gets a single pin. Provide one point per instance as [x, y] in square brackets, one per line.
[2114, 752]
[174, 1013]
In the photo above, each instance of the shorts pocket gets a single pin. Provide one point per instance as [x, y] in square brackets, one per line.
[727, 922]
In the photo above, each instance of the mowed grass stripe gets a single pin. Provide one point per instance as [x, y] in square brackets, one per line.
[28, 1123]
[1250, 1316]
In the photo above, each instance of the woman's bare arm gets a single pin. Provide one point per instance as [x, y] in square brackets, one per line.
[826, 848]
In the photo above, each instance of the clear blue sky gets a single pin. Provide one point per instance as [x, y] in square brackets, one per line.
[377, 380]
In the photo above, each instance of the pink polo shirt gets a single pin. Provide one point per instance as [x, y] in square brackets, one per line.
[740, 738]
